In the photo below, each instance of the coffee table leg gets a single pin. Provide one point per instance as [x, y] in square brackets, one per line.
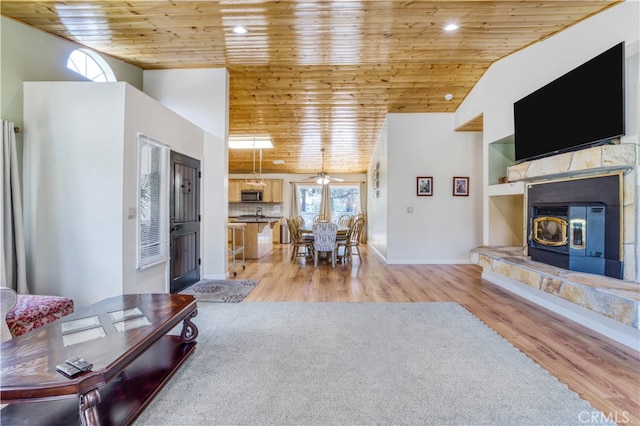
[189, 330]
[89, 408]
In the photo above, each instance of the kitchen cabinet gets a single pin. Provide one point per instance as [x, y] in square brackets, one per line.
[272, 193]
[258, 236]
[244, 186]
[276, 190]
[234, 190]
[266, 192]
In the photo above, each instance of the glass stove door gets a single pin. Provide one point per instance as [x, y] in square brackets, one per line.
[550, 231]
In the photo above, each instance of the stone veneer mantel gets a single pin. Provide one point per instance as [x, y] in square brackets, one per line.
[593, 160]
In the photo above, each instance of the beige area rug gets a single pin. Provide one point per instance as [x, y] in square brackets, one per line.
[222, 291]
[344, 364]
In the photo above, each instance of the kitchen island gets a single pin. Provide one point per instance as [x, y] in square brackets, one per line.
[258, 235]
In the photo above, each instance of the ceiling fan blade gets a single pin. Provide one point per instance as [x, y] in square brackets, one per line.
[322, 175]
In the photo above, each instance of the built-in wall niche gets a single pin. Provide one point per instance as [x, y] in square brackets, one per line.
[506, 220]
[375, 180]
[502, 154]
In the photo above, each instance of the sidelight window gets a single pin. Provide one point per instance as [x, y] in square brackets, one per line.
[152, 202]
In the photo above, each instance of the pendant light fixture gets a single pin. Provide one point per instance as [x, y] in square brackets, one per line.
[256, 179]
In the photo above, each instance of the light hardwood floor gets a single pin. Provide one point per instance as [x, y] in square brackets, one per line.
[600, 370]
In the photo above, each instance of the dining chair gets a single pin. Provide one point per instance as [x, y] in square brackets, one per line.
[344, 240]
[324, 240]
[354, 239]
[298, 241]
[320, 219]
[345, 220]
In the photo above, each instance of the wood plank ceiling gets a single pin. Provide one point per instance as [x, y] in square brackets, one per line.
[314, 74]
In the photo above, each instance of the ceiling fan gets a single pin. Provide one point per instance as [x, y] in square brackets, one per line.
[322, 178]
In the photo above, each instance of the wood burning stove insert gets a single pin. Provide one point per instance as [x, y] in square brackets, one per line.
[575, 231]
[576, 224]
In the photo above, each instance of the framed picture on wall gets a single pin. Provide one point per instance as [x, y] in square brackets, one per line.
[424, 186]
[460, 186]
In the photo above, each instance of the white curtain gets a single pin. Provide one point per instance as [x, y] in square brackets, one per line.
[325, 201]
[12, 251]
[363, 209]
[295, 201]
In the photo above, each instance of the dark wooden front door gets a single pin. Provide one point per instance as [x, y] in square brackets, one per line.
[185, 221]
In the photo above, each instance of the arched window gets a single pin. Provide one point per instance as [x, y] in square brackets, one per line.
[90, 65]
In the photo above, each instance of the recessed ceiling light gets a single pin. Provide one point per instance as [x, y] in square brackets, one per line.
[448, 96]
[240, 30]
[451, 27]
[278, 161]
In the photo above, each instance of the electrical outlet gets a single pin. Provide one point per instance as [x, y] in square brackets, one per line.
[131, 213]
[409, 209]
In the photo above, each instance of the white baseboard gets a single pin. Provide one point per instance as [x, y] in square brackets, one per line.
[463, 261]
[215, 276]
[608, 327]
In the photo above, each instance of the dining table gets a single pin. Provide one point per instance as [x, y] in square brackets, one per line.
[307, 228]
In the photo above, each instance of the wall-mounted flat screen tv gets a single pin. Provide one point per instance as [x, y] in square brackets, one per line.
[582, 108]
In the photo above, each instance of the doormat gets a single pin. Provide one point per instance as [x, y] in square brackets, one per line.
[221, 291]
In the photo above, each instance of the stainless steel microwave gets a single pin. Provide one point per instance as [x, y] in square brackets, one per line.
[251, 196]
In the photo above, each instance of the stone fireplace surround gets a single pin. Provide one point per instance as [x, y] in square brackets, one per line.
[606, 305]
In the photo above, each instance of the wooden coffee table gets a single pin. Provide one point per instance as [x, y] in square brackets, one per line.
[125, 337]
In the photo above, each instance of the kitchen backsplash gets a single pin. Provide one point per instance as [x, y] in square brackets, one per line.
[268, 209]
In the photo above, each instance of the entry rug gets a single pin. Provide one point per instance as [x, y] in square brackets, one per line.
[223, 291]
[336, 364]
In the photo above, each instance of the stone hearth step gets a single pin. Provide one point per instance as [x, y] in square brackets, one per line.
[612, 298]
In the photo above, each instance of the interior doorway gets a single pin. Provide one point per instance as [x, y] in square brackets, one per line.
[184, 217]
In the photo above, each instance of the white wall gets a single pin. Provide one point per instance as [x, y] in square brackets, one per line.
[202, 96]
[73, 189]
[442, 228]
[377, 207]
[215, 208]
[81, 178]
[144, 114]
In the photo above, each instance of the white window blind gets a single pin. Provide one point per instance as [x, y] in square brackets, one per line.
[152, 202]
